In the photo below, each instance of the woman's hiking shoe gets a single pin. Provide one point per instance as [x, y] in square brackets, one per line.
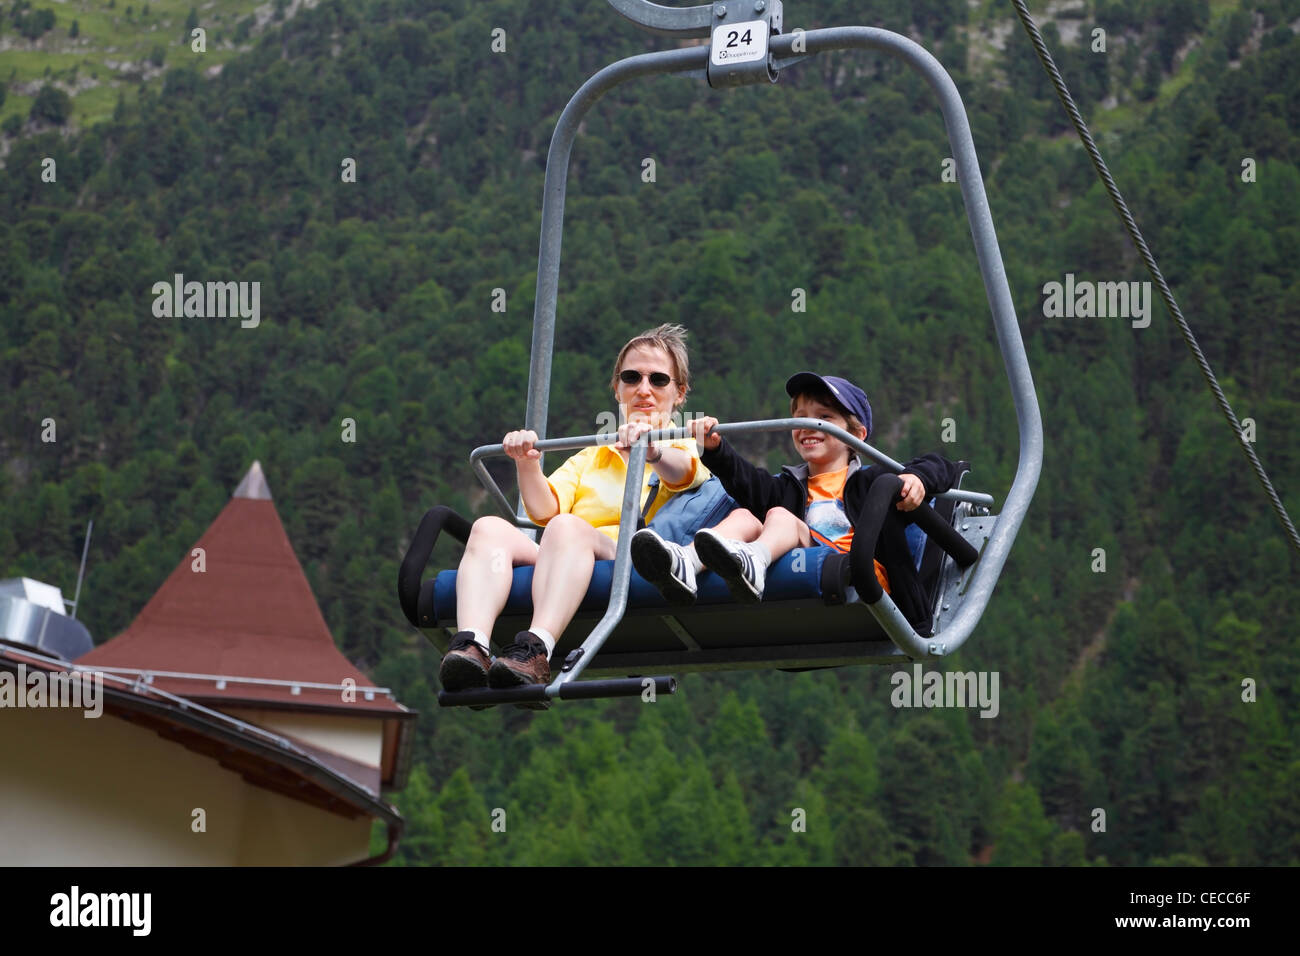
[734, 562]
[664, 565]
[465, 666]
[523, 662]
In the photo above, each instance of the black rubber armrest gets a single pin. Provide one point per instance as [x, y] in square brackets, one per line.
[437, 519]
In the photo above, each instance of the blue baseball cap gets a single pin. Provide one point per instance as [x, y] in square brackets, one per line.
[849, 396]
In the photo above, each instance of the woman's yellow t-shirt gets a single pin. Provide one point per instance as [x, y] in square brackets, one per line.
[590, 485]
[827, 521]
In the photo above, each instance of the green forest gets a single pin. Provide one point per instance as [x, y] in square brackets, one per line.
[1121, 690]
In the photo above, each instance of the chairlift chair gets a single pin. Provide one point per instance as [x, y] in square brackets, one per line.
[812, 615]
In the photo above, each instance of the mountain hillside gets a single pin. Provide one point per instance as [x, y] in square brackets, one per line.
[1123, 690]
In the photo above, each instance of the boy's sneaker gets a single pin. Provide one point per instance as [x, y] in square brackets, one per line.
[523, 662]
[664, 565]
[734, 562]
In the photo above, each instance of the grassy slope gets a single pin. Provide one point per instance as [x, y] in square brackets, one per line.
[111, 54]
[110, 57]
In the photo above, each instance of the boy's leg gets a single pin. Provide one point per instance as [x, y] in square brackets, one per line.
[672, 568]
[740, 525]
[741, 558]
[783, 532]
[778, 533]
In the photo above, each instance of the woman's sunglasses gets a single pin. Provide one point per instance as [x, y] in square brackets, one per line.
[630, 376]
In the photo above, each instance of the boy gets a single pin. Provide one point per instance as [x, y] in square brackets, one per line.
[819, 502]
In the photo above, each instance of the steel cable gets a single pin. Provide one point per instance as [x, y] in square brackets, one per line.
[1063, 94]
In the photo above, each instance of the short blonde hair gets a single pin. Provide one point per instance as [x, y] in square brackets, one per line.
[670, 338]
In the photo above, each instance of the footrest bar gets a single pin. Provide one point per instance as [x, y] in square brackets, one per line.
[578, 690]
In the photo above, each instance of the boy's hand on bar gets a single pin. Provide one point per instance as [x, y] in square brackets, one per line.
[699, 428]
[913, 493]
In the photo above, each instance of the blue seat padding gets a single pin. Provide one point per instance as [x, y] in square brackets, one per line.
[784, 583]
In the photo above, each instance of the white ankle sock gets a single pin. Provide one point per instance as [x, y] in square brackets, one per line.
[546, 637]
[481, 638]
[692, 558]
[762, 556]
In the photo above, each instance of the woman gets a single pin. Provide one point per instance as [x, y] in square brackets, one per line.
[580, 506]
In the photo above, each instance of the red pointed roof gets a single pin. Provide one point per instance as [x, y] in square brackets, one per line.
[249, 614]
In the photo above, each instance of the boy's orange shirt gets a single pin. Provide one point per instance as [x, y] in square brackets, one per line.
[826, 519]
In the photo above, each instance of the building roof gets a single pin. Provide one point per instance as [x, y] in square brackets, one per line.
[272, 761]
[242, 626]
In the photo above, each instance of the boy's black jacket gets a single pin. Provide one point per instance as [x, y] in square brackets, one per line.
[760, 492]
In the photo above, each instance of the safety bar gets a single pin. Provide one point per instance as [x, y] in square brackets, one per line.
[543, 445]
[925, 516]
[671, 434]
[816, 424]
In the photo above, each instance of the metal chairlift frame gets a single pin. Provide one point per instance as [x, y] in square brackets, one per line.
[966, 592]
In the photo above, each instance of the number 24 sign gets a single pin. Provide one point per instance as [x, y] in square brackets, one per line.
[739, 42]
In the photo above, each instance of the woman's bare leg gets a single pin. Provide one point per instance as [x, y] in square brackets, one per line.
[569, 552]
[495, 549]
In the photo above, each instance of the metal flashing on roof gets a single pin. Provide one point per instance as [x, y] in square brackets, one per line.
[37, 592]
[32, 616]
[253, 485]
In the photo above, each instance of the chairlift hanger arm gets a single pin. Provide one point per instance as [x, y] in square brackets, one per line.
[666, 21]
[979, 588]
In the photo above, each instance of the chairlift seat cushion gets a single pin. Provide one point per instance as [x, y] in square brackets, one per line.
[794, 576]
